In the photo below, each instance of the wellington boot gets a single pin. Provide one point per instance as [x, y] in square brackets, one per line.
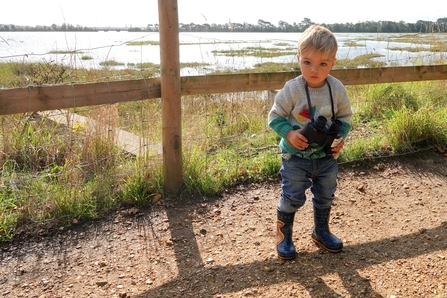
[321, 234]
[284, 244]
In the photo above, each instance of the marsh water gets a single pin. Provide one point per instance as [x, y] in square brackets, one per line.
[91, 49]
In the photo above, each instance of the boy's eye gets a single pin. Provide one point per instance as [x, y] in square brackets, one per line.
[306, 62]
[323, 64]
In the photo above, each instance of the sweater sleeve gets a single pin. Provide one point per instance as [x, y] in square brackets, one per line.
[278, 116]
[344, 111]
[281, 126]
[344, 115]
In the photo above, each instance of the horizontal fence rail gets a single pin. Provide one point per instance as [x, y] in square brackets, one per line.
[41, 98]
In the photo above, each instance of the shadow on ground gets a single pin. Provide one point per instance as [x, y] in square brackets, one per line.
[93, 259]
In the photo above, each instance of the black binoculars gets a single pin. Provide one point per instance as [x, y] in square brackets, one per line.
[317, 132]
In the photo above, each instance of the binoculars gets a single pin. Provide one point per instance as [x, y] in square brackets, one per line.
[317, 132]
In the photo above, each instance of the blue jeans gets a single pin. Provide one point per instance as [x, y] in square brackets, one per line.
[299, 174]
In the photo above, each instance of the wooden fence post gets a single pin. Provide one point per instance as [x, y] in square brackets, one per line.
[170, 95]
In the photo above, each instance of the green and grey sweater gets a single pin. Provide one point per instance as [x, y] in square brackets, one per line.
[290, 111]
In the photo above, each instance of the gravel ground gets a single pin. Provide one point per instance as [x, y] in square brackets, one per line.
[389, 213]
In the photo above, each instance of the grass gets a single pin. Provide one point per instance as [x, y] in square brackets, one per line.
[13, 74]
[420, 43]
[157, 43]
[111, 63]
[352, 44]
[366, 60]
[143, 43]
[55, 176]
[417, 49]
[257, 52]
[65, 52]
[397, 118]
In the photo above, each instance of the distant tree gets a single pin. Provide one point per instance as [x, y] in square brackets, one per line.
[403, 27]
[152, 27]
[206, 28]
[422, 26]
[305, 23]
[264, 26]
[442, 23]
[284, 26]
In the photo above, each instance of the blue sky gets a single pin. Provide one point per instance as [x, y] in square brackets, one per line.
[142, 13]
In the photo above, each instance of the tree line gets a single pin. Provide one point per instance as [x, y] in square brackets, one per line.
[440, 26]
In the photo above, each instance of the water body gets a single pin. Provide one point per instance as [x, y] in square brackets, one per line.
[70, 47]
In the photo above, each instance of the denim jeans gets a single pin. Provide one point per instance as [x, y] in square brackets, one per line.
[299, 174]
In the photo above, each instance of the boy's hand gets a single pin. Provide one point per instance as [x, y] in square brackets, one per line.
[296, 139]
[335, 150]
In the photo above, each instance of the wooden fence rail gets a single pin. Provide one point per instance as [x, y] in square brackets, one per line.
[41, 98]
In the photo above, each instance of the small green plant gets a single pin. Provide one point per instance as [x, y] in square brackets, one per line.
[409, 130]
[137, 191]
[366, 60]
[111, 63]
[193, 64]
[220, 121]
[257, 52]
[353, 44]
[143, 43]
[380, 101]
[10, 213]
[65, 52]
[146, 65]
[275, 67]
[396, 118]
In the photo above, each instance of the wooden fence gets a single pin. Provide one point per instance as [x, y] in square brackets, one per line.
[170, 87]
[41, 98]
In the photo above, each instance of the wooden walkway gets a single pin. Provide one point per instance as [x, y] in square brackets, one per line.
[129, 142]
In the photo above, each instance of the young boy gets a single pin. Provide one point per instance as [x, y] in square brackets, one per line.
[309, 157]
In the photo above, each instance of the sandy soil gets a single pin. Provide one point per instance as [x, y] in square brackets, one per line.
[391, 215]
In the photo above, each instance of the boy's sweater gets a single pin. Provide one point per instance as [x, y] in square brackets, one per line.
[290, 111]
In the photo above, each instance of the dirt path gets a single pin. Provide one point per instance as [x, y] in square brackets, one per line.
[390, 215]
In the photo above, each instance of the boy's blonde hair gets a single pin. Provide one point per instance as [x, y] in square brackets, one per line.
[319, 39]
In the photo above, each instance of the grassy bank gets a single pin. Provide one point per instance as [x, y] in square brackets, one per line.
[54, 176]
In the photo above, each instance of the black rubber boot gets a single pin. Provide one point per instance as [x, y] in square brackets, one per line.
[321, 234]
[284, 244]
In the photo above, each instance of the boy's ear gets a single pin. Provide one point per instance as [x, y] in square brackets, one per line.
[333, 62]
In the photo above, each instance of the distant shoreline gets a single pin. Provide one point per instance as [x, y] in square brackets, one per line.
[421, 26]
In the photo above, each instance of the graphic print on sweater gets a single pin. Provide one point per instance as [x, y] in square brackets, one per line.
[306, 114]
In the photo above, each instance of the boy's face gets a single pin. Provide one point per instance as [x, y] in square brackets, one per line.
[315, 67]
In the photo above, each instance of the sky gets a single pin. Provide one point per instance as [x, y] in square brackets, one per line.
[100, 13]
